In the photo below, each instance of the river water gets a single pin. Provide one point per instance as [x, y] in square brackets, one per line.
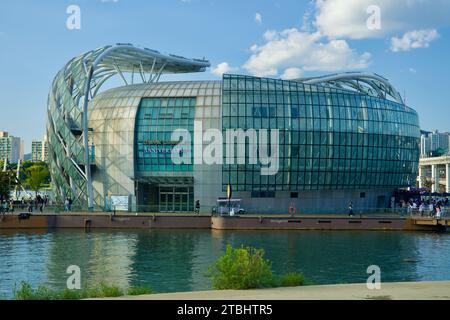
[177, 260]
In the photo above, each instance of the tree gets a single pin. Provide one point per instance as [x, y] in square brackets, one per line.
[5, 185]
[36, 177]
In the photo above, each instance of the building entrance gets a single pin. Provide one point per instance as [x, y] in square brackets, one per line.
[176, 199]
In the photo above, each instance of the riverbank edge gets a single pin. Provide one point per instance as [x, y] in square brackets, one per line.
[427, 290]
[88, 220]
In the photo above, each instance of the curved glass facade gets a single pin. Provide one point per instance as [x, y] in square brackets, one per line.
[156, 120]
[329, 138]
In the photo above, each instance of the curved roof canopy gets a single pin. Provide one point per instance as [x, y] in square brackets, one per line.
[129, 58]
[366, 83]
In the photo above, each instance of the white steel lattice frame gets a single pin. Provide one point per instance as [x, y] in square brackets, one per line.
[74, 87]
[366, 83]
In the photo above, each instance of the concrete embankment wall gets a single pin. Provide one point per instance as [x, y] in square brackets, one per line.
[310, 223]
[105, 221]
[157, 221]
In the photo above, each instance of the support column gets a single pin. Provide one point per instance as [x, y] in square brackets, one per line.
[447, 177]
[420, 176]
[434, 178]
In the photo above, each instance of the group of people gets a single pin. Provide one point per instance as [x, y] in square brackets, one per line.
[6, 206]
[38, 203]
[431, 208]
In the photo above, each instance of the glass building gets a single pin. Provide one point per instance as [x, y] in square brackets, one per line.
[341, 138]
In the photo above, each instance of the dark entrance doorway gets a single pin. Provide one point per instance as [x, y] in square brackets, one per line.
[176, 199]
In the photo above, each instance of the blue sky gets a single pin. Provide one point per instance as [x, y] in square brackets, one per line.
[284, 38]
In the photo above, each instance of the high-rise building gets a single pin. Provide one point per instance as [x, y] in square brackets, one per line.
[11, 148]
[434, 143]
[39, 150]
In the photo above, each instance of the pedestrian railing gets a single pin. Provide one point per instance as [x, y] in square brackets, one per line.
[214, 210]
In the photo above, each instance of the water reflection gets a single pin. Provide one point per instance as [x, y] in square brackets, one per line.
[176, 260]
[102, 256]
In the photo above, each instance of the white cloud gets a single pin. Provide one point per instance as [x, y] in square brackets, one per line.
[258, 18]
[307, 24]
[222, 68]
[414, 40]
[348, 18]
[111, 1]
[292, 73]
[292, 48]
[412, 71]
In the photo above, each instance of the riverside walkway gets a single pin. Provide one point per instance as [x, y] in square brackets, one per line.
[434, 290]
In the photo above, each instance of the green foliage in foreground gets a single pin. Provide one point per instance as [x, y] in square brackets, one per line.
[241, 268]
[136, 291]
[292, 279]
[246, 268]
[26, 292]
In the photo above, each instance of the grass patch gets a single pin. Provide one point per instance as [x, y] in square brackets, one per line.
[136, 291]
[292, 279]
[26, 292]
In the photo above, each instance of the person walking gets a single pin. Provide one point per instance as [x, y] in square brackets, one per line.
[438, 211]
[1, 209]
[66, 204]
[350, 209]
[30, 206]
[197, 207]
[430, 209]
[421, 209]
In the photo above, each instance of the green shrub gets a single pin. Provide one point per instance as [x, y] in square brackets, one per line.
[70, 294]
[24, 292]
[241, 268]
[45, 293]
[110, 291]
[292, 279]
[136, 291]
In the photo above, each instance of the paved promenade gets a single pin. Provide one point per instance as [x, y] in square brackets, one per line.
[389, 291]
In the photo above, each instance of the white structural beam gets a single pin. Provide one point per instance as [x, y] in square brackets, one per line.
[447, 178]
[421, 177]
[434, 178]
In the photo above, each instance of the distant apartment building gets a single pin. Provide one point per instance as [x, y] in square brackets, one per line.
[39, 150]
[11, 148]
[434, 143]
